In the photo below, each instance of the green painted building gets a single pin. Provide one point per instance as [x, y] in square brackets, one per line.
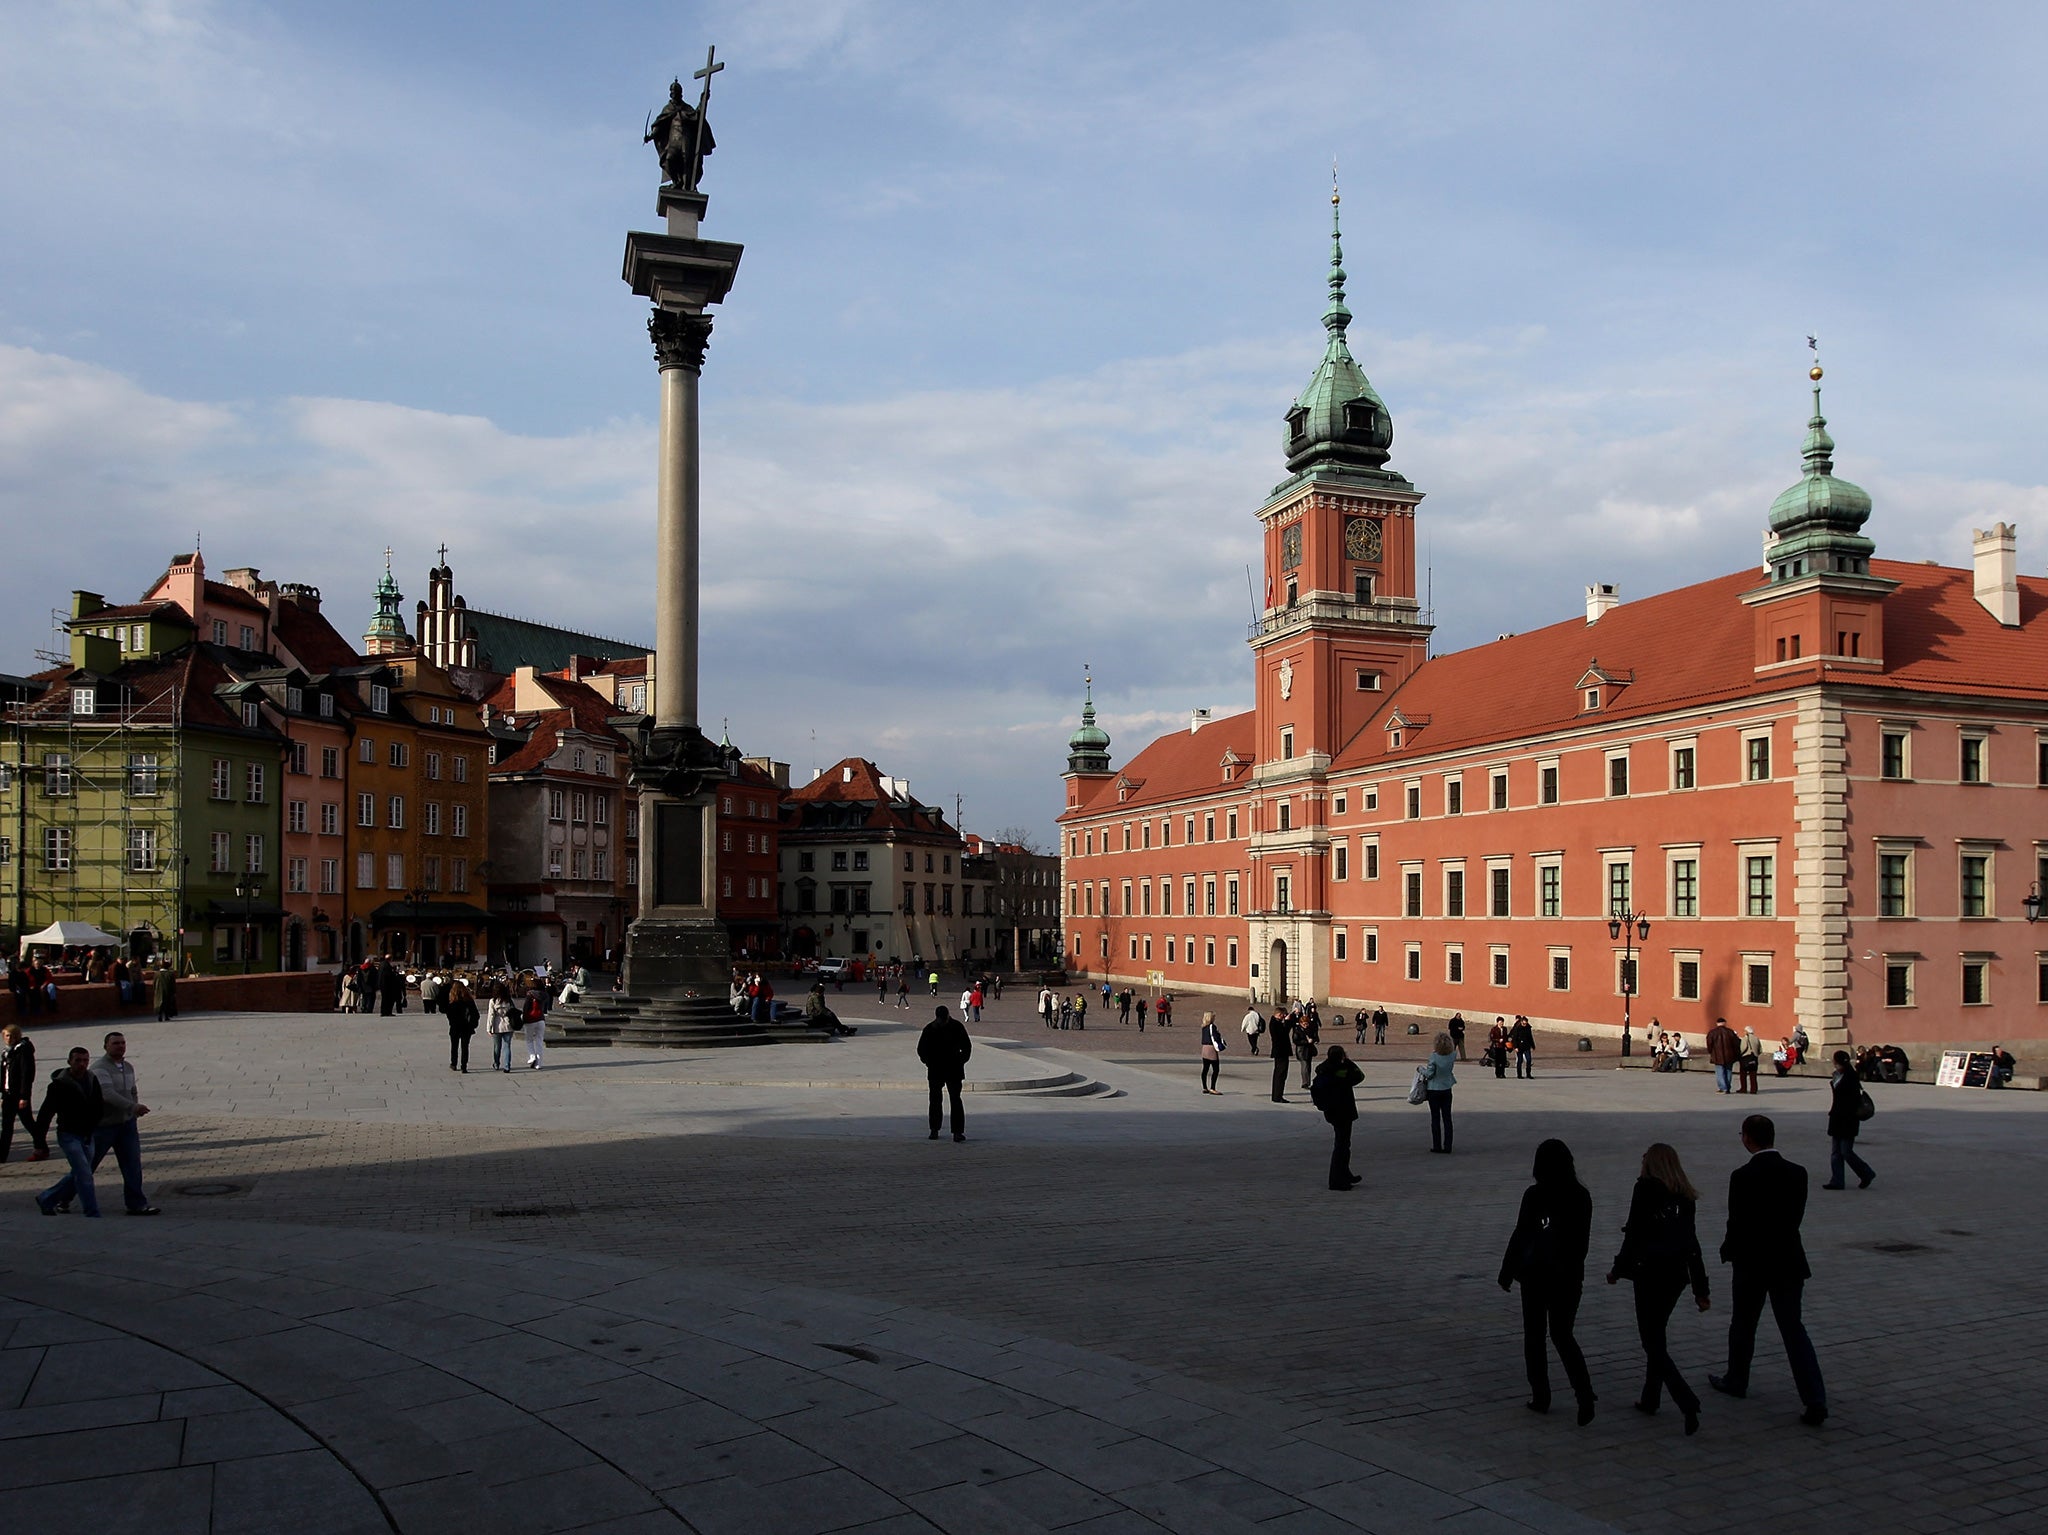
[142, 796]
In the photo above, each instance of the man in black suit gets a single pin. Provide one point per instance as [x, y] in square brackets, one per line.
[944, 1048]
[1766, 1202]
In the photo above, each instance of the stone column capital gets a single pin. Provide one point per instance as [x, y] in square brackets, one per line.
[679, 339]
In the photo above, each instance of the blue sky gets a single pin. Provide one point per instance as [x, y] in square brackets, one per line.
[1026, 292]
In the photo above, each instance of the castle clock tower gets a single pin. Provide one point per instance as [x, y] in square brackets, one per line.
[1340, 629]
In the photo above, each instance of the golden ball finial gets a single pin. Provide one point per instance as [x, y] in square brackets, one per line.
[1814, 373]
[1335, 198]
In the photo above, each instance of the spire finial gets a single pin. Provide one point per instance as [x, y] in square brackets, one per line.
[387, 559]
[1820, 448]
[1336, 318]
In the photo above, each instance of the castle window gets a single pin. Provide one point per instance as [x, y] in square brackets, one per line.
[1297, 424]
[1359, 416]
[1361, 585]
[1368, 682]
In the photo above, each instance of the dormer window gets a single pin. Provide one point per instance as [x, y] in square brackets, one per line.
[295, 700]
[1297, 423]
[1592, 698]
[1393, 740]
[1359, 416]
[380, 698]
[252, 713]
[327, 706]
[84, 701]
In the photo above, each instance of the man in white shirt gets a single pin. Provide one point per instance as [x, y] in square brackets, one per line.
[1252, 1023]
[117, 1132]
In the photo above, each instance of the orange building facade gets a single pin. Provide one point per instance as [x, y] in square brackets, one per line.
[1821, 785]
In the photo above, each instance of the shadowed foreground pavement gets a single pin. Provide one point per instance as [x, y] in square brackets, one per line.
[610, 1299]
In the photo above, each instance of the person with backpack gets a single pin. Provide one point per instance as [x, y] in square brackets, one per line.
[1212, 1054]
[1332, 1091]
[1845, 1118]
[1547, 1257]
[1660, 1252]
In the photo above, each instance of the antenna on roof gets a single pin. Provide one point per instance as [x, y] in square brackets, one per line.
[1429, 585]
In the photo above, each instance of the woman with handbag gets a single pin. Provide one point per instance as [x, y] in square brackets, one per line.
[1547, 1256]
[1660, 1252]
[1845, 1118]
[1212, 1054]
[1437, 1079]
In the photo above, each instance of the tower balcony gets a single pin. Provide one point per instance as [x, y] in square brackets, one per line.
[1336, 610]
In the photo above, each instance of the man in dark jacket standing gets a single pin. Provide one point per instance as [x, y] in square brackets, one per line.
[17, 1091]
[1332, 1093]
[1766, 1202]
[1724, 1049]
[390, 987]
[1845, 1118]
[1522, 1040]
[944, 1048]
[74, 1101]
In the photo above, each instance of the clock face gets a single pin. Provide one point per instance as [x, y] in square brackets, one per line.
[1290, 547]
[1362, 539]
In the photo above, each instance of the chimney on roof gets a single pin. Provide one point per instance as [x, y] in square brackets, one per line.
[1600, 597]
[846, 775]
[1998, 573]
[302, 595]
[1197, 718]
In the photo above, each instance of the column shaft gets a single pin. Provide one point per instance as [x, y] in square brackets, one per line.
[676, 514]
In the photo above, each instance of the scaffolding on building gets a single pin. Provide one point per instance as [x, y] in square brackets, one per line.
[122, 806]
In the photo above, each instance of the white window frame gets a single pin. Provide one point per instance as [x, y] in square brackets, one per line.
[1676, 853]
[1411, 964]
[1498, 964]
[1682, 744]
[1679, 958]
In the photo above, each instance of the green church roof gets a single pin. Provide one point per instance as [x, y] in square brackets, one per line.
[1088, 747]
[1817, 524]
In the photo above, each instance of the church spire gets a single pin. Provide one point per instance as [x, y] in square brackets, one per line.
[1817, 525]
[1088, 747]
[387, 630]
[1339, 421]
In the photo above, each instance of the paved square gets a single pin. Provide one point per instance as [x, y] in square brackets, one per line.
[741, 1291]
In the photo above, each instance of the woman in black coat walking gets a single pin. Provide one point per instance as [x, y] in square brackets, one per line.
[1845, 1118]
[460, 1010]
[1547, 1254]
[1660, 1251]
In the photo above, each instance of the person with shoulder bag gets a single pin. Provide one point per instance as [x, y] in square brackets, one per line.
[460, 1010]
[1212, 1054]
[1660, 1252]
[1547, 1256]
[1848, 1106]
[535, 1017]
[1333, 1093]
[1435, 1080]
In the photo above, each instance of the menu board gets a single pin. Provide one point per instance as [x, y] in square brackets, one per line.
[1964, 1068]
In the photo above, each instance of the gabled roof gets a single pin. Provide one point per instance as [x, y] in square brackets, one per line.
[1178, 766]
[179, 687]
[851, 794]
[311, 640]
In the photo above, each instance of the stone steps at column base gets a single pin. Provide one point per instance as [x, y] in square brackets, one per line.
[679, 1023]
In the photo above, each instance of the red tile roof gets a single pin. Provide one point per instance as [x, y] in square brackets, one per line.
[177, 687]
[856, 781]
[1697, 645]
[233, 597]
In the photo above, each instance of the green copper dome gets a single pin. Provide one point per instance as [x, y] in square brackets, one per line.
[1088, 747]
[1818, 522]
[387, 625]
[1340, 418]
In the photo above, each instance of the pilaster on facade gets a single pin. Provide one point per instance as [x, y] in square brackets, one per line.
[1820, 870]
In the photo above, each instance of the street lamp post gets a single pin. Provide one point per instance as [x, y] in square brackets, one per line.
[246, 888]
[1629, 927]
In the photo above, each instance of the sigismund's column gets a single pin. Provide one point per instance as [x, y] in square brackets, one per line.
[678, 945]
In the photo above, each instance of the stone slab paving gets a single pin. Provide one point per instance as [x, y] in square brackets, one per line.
[1161, 1233]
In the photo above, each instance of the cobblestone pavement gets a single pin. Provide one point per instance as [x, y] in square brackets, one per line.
[1183, 1238]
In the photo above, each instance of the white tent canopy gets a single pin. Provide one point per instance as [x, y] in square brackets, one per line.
[65, 934]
